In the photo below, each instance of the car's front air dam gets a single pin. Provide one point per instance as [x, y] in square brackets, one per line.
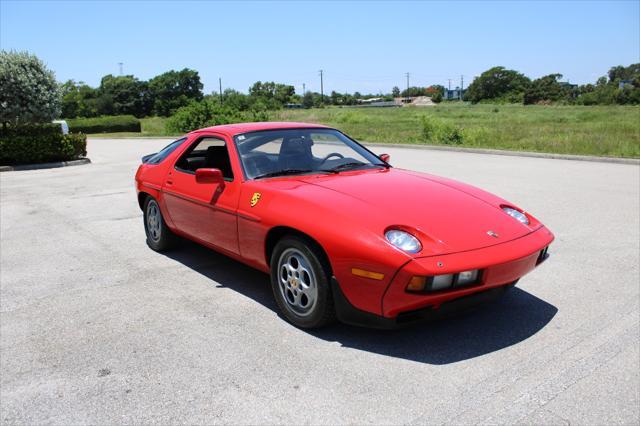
[501, 264]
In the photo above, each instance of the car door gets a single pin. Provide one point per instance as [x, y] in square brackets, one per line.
[204, 211]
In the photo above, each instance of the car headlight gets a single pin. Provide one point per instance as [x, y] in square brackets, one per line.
[403, 240]
[517, 215]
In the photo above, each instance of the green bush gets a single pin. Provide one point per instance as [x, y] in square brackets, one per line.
[209, 112]
[105, 124]
[28, 90]
[40, 144]
[440, 132]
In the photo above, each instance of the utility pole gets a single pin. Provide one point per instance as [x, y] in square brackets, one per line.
[303, 89]
[461, 85]
[220, 84]
[407, 74]
[449, 84]
[120, 64]
[321, 89]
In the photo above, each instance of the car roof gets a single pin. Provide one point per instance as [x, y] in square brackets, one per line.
[237, 128]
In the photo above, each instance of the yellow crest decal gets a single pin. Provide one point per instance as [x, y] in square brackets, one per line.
[255, 198]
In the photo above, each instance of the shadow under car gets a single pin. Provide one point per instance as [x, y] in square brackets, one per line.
[489, 327]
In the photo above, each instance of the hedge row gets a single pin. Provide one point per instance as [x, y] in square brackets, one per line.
[39, 144]
[105, 124]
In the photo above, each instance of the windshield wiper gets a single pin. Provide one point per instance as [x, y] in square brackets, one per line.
[284, 172]
[347, 166]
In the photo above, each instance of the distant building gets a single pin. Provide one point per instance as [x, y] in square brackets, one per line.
[369, 100]
[450, 94]
[374, 102]
[623, 83]
[567, 85]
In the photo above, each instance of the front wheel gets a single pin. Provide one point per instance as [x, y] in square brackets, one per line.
[300, 283]
[159, 236]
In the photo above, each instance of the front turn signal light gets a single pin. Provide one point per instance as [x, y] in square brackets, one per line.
[367, 274]
[417, 284]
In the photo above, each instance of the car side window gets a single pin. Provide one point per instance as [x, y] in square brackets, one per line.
[164, 152]
[206, 153]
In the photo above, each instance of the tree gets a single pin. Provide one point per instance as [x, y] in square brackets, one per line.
[307, 100]
[283, 93]
[395, 92]
[413, 91]
[435, 92]
[29, 92]
[236, 100]
[273, 95]
[127, 95]
[335, 98]
[546, 89]
[174, 89]
[619, 73]
[498, 84]
[209, 112]
[621, 86]
[78, 100]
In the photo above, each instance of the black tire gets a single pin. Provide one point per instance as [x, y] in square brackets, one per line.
[159, 236]
[322, 312]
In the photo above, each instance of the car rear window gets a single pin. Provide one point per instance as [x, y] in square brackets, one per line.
[164, 152]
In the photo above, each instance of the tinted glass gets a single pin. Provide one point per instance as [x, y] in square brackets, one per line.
[290, 151]
[164, 152]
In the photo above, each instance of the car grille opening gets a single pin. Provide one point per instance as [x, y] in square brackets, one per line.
[544, 254]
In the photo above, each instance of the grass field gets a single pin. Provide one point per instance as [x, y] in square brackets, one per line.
[594, 130]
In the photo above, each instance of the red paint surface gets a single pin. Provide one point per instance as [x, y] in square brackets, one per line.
[347, 215]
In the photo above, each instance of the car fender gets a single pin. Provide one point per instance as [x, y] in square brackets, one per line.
[348, 243]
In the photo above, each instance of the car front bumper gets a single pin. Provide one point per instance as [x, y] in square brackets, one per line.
[502, 266]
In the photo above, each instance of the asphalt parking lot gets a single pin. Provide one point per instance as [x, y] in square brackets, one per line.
[97, 328]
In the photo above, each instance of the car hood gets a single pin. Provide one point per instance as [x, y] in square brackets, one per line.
[446, 215]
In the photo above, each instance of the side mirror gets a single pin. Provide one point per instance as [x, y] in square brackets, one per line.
[209, 176]
[385, 157]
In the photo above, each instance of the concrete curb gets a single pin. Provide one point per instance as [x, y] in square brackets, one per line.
[45, 165]
[634, 161]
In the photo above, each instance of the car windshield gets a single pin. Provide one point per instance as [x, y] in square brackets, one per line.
[271, 153]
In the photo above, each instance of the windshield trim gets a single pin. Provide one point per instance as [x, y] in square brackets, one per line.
[246, 177]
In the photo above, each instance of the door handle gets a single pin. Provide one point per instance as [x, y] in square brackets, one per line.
[169, 182]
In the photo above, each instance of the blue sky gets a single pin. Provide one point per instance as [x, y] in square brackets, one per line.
[364, 46]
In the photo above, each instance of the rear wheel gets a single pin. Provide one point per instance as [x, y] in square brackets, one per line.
[300, 283]
[159, 236]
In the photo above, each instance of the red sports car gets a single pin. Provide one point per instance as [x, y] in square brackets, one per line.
[342, 233]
